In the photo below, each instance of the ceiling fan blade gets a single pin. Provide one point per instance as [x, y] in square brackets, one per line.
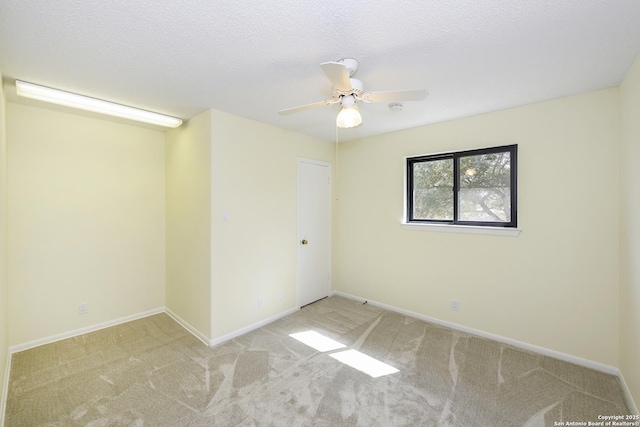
[395, 95]
[308, 107]
[338, 75]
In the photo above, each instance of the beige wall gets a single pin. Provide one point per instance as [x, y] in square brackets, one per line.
[556, 285]
[630, 230]
[188, 172]
[86, 221]
[217, 270]
[4, 315]
[254, 180]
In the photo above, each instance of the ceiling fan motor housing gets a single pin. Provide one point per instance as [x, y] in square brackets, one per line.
[351, 64]
[357, 89]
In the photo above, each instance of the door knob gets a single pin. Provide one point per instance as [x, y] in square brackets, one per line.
[304, 241]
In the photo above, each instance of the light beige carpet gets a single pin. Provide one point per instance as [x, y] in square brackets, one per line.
[151, 372]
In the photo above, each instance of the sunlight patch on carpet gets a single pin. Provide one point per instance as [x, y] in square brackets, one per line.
[317, 341]
[367, 364]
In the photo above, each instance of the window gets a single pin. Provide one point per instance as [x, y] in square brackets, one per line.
[475, 187]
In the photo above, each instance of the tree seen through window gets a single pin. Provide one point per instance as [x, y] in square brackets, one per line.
[472, 187]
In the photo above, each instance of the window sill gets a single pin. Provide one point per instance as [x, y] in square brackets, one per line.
[464, 229]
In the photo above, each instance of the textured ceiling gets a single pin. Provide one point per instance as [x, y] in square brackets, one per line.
[255, 57]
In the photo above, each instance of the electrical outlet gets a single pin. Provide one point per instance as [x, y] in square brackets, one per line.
[454, 305]
[260, 304]
[83, 308]
[280, 296]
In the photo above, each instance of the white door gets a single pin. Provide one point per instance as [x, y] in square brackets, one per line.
[314, 230]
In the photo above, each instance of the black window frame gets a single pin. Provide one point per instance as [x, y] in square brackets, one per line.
[455, 156]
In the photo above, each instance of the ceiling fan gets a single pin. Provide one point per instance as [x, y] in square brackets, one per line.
[347, 91]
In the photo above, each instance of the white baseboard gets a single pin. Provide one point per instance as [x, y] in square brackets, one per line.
[211, 342]
[242, 331]
[542, 350]
[202, 337]
[196, 333]
[515, 343]
[82, 331]
[5, 389]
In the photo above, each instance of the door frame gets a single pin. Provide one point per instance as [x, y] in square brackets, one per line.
[302, 160]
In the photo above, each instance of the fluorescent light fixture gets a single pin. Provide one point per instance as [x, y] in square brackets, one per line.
[363, 363]
[317, 341]
[68, 99]
[349, 116]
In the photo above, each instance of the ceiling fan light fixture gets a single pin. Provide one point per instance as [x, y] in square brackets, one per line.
[349, 116]
[346, 90]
